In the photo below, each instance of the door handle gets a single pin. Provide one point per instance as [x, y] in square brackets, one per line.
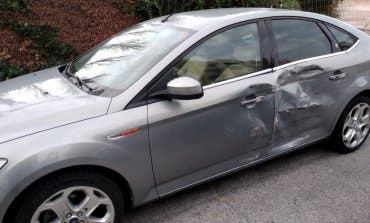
[337, 76]
[251, 103]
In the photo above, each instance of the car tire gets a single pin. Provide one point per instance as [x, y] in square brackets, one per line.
[353, 126]
[91, 194]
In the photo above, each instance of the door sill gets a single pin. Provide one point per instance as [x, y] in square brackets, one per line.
[229, 171]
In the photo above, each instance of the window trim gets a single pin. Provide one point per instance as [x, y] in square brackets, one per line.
[274, 52]
[266, 37]
[231, 80]
[328, 25]
[261, 29]
[142, 97]
[334, 46]
[328, 35]
[315, 58]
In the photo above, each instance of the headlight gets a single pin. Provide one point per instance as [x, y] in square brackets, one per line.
[3, 162]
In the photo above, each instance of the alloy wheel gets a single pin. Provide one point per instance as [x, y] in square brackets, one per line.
[80, 204]
[356, 126]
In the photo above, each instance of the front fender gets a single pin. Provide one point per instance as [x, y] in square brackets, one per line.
[82, 143]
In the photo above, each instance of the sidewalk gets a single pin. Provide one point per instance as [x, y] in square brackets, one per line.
[357, 13]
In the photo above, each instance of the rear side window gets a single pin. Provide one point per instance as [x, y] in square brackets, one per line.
[345, 40]
[299, 39]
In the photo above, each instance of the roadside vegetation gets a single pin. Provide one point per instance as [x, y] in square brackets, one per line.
[327, 7]
[40, 38]
[44, 33]
[45, 40]
[154, 8]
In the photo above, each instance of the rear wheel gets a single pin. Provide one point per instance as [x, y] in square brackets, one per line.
[78, 197]
[353, 126]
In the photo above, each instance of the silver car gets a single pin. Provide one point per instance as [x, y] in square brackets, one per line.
[174, 102]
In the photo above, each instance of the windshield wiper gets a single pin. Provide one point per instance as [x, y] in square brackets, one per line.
[82, 83]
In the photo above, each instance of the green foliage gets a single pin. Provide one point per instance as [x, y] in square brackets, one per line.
[327, 7]
[8, 71]
[46, 40]
[153, 8]
[43, 38]
[123, 6]
[290, 4]
[14, 5]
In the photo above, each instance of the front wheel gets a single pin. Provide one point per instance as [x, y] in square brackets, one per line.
[77, 197]
[353, 126]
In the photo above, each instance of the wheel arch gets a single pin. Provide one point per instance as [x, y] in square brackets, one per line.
[123, 184]
[343, 107]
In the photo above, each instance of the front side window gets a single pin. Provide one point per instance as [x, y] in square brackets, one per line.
[233, 53]
[299, 39]
[119, 62]
[345, 40]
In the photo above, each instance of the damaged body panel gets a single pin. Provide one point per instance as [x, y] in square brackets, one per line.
[307, 98]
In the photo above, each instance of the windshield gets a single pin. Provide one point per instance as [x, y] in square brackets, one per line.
[120, 61]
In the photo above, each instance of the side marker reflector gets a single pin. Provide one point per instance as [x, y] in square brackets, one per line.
[130, 132]
[124, 134]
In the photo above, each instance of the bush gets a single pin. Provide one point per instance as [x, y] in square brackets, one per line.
[153, 8]
[327, 7]
[14, 5]
[46, 40]
[8, 71]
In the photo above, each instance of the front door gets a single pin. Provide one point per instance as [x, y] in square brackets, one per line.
[192, 140]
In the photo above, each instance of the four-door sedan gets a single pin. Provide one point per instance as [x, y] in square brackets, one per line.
[174, 102]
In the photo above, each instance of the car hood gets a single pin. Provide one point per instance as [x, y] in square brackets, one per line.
[44, 100]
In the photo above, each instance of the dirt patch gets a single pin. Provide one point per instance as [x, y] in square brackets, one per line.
[82, 23]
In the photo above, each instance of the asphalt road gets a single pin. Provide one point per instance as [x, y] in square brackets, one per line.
[314, 184]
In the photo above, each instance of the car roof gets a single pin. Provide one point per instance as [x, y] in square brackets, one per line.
[213, 19]
[197, 20]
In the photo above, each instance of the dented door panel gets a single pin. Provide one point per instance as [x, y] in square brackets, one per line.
[307, 99]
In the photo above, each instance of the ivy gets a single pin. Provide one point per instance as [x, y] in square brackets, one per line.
[153, 8]
[45, 39]
[14, 5]
[8, 71]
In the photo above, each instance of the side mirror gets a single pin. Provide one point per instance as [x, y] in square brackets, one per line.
[182, 88]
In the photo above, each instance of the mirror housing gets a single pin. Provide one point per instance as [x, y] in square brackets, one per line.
[182, 88]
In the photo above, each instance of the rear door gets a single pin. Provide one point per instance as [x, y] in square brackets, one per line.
[197, 139]
[311, 71]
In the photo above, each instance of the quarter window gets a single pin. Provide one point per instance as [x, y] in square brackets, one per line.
[231, 54]
[299, 39]
[345, 40]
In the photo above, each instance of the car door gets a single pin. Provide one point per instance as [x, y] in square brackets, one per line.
[311, 71]
[192, 140]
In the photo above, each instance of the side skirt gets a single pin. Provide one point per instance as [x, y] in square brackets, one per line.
[243, 166]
